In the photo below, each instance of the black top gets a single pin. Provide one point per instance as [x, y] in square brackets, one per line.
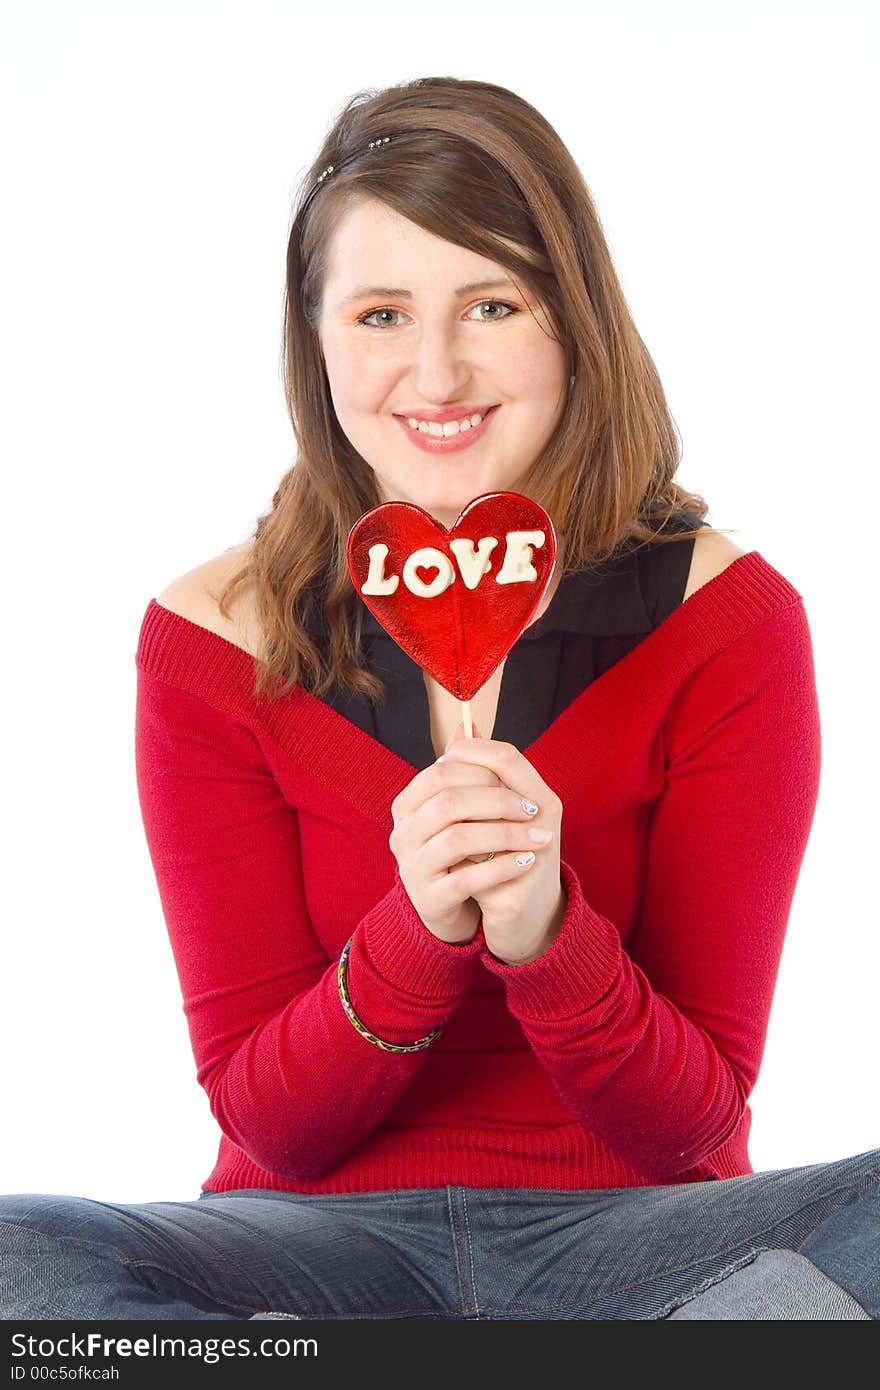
[595, 617]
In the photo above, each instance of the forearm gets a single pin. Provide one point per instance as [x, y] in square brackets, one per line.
[628, 1064]
[306, 1086]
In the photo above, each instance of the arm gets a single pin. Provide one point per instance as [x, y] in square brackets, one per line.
[656, 1050]
[288, 1078]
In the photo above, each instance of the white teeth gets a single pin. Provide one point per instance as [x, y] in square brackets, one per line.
[451, 427]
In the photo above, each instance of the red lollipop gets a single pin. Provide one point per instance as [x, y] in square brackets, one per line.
[455, 600]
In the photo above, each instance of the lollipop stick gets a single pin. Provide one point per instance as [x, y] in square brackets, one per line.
[466, 715]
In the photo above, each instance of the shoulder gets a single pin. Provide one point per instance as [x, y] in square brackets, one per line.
[195, 596]
[711, 554]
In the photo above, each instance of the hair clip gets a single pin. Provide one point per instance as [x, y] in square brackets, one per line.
[325, 173]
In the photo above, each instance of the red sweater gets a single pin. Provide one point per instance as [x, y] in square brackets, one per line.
[623, 1056]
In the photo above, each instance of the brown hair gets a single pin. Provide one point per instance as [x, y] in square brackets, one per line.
[477, 165]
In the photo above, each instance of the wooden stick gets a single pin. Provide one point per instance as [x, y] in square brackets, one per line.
[466, 715]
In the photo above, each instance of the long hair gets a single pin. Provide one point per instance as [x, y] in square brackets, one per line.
[480, 167]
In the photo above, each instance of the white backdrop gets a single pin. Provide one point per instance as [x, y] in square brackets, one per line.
[152, 156]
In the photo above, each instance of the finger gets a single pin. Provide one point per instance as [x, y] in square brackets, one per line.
[474, 880]
[456, 803]
[460, 732]
[433, 779]
[467, 839]
[506, 761]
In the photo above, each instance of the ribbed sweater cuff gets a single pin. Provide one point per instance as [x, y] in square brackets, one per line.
[399, 949]
[576, 970]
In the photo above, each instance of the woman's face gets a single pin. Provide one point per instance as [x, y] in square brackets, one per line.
[433, 336]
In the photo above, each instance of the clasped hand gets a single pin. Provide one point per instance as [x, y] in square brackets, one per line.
[473, 801]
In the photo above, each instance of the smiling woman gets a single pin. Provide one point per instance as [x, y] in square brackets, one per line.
[480, 1016]
[406, 382]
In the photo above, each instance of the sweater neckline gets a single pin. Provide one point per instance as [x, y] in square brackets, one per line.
[355, 765]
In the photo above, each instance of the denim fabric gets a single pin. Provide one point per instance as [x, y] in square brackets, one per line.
[787, 1243]
[777, 1285]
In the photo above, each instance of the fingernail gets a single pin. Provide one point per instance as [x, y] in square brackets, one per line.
[529, 807]
[539, 836]
[440, 759]
[524, 859]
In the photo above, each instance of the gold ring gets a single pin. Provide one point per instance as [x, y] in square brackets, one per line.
[490, 855]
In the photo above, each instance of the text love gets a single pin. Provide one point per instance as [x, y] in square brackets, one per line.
[473, 562]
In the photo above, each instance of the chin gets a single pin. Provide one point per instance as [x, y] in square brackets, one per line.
[446, 507]
[442, 497]
[451, 492]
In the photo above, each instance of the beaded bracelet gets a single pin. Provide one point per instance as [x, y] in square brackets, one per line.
[364, 1031]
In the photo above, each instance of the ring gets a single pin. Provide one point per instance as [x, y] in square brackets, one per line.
[490, 855]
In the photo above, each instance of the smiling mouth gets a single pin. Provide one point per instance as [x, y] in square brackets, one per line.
[448, 427]
[449, 435]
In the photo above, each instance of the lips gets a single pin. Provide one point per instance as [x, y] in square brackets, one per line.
[432, 443]
[442, 417]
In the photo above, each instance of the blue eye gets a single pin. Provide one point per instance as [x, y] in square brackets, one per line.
[498, 303]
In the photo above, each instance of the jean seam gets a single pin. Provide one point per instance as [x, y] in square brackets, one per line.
[470, 1250]
[761, 1250]
[457, 1251]
[748, 1258]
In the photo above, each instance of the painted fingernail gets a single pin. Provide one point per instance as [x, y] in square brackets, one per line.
[529, 807]
[524, 859]
[540, 836]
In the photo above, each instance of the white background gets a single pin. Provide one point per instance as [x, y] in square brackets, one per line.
[152, 155]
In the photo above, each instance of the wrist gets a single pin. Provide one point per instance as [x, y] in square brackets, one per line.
[549, 935]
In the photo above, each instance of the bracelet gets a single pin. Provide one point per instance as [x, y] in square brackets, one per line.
[362, 1029]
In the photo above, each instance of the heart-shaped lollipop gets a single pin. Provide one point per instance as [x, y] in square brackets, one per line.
[455, 600]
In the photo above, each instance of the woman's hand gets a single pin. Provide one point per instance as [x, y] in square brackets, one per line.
[522, 904]
[452, 810]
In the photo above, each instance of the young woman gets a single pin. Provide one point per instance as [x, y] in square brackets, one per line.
[478, 1018]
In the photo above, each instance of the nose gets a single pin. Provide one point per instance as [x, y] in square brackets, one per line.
[441, 366]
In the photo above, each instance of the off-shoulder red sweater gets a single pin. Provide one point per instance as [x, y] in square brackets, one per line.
[623, 1056]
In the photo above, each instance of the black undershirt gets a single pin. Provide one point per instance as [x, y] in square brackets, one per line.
[595, 617]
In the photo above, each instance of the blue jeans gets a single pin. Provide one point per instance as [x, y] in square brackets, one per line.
[785, 1244]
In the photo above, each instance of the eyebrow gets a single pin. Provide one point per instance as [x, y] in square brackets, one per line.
[395, 292]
